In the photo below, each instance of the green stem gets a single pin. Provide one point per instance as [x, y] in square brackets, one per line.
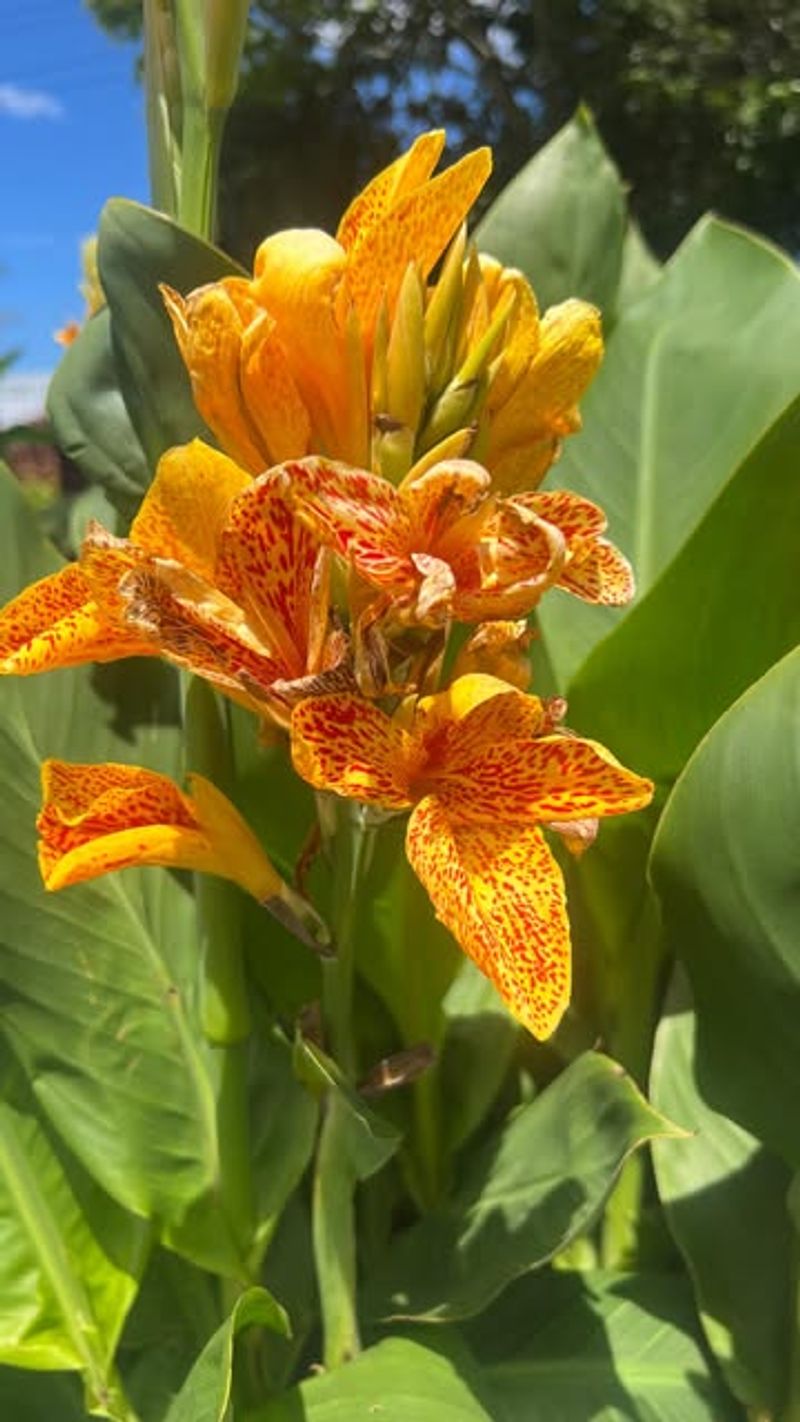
[225, 1006]
[335, 1178]
[200, 151]
[791, 1412]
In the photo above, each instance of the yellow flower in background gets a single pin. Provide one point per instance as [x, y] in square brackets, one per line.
[342, 346]
[481, 766]
[96, 819]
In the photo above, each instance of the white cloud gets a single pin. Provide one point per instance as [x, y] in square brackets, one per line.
[18, 102]
[22, 397]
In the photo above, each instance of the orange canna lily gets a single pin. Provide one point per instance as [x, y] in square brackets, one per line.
[217, 576]
[481, 766]
[342, 346]
[442, 546]
[96, 819]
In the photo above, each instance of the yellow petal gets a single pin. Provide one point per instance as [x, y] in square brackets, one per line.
[543, 407]
[347, 745]
[498, 649]
[417, 228]
[297, 277]
[186, 505]
[209, 328]
[386, 189]
[270, 392]
[499, 891]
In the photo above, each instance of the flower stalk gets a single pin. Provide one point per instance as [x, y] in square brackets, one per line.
[335, 1177]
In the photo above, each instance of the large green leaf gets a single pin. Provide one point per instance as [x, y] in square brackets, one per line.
[206, 1394]
[562, 219]
[28, 1397]
[396, 1381]
[693, 378]
[69, 1258]
[725, 1200]
[723, 612]
[725, 867]
[596, 1348]
[100, 980]
[137, 249]
[522, 1197]
[89, 418]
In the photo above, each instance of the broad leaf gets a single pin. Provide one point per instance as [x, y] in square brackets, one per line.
[693, 378]
[724, 611]
[522, 1197]
[725, 867]
[100, 980]
[562, 219]
[28, 1397]
[725, 1201]
[137, 249]
[69, 1261]
[597, 1348]
[396, 1381]
[89, 418]
[206, 1394]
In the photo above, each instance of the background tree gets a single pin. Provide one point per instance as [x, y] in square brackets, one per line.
[698, 100]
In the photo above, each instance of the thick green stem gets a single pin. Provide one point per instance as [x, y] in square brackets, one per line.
[791, 1412]
[225, 1005]
[200, 150]
[335, 1178]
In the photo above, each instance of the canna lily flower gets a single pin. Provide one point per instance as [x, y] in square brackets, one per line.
[216, 576]
[96, 819]
[441, 546]
[343, 347]
[285, 357]
[482, 767]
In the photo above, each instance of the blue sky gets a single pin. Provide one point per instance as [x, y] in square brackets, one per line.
[71, 135]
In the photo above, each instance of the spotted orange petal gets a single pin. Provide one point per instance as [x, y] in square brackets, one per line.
[499, 891]
[595, 570]
[186, 505]
[416, 229]
[195, 626]
[441, 497]
[553, 777]
[269, 566]
[99, 818]
[387, 188]
[347, 745]
[56, 622]
[359, 515]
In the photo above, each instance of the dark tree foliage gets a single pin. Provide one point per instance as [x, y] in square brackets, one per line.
[697, 100]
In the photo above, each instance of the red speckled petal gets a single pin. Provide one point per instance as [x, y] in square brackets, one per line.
[455, 726]
[554, 777]
[347, 745]
[575, 516]
[57, 623]
[83, 803]
[195, 627]
[403, 176]
[416, 229]
[268, 566]
[598, 572]
[186, 506]
[357, 514]
[499, 891]
[441, 497]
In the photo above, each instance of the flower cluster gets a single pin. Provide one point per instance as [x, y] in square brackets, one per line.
[385, 436]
